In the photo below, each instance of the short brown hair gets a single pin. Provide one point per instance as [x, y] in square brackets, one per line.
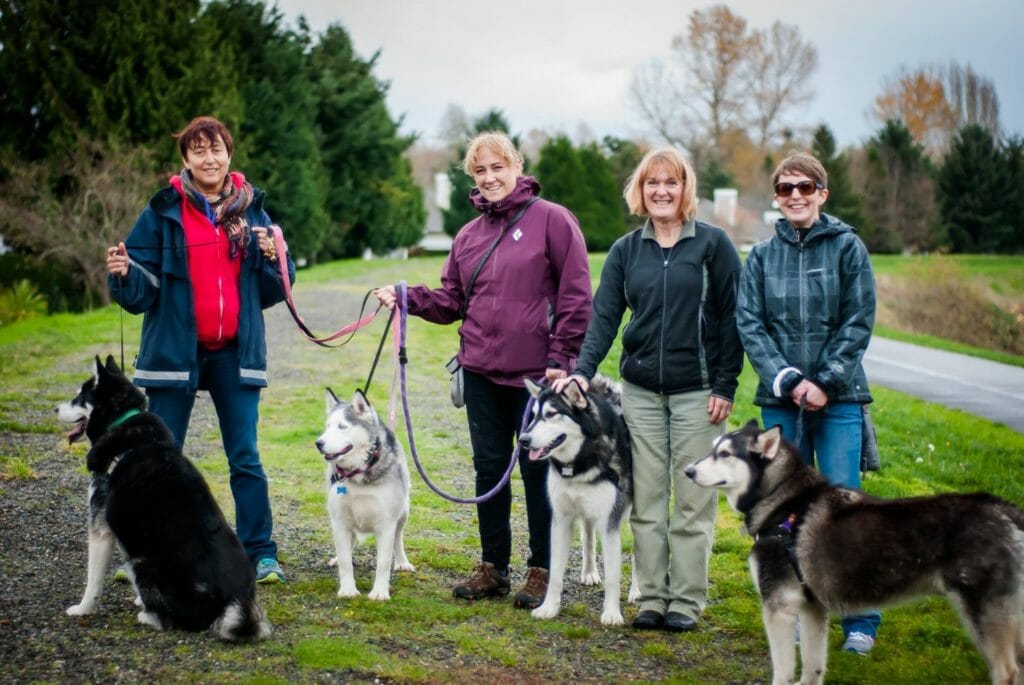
[802, 163]
[203, 129]
[495, 141]
[677, 164]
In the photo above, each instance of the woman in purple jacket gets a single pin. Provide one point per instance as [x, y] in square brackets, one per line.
[526, 316]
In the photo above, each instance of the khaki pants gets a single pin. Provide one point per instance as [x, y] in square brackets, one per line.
[672, 536]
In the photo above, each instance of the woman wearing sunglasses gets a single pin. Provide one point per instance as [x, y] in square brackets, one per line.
[805, 310]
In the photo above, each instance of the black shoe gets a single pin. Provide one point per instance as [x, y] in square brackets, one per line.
[676, 622]
[648, 620]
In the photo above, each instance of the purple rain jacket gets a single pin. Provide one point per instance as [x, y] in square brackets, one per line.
[530, 305]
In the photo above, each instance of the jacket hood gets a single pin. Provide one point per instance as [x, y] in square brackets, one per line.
[825, 225]
[526, 188]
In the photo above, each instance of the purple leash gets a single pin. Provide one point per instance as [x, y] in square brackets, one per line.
[403, 302]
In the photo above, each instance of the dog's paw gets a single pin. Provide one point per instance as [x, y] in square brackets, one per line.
[137, 601]
[83, 609]
[148, 618]
[634, 595]
[404, 567]
[348, 591]
[592, 578]
[546, 610]
[611, 617]
[333, 561]
[379, 595]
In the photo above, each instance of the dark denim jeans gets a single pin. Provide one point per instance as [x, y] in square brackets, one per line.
[237, 408]
[495, 414]
[831, 437]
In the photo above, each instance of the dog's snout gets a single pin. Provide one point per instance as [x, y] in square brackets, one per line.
[524, 441]
[691, 472]
[320, 444]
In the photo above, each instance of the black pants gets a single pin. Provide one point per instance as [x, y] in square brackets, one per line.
[495, 414]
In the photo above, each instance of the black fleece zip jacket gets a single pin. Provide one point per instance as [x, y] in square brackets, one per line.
[681, 335]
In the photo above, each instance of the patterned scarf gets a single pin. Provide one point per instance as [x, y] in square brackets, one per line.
[227, 211]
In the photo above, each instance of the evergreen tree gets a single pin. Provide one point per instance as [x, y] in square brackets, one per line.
[600, 209]
[460, 210]
[1014, 156]
[713, 175]
[373, 201]
[899, 194]
[623, 157]
[842, 202]
[276, 140]
[123, 71]
[973, 187]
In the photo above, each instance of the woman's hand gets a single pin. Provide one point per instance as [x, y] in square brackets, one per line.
[117, 260]
[554, 374]
[265, 242]
[814, 398]
[558, 385]
[719, 409]
[386, 295]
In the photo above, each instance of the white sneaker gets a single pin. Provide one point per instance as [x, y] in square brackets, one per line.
[858, 643]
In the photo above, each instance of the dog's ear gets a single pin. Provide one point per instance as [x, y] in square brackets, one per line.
[769, 442]
[332, 401]
[574, 394]
[112, 366]
[752, 426]
[360, 404]
[532, 387]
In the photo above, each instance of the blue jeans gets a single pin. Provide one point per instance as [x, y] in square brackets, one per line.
[831, 437]
[237, 408]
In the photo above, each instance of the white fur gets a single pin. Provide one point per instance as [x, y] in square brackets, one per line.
[101, 546]
[360, 506]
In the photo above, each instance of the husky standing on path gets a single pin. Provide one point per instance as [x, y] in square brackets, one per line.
[584, 438]
[820, 549]
[187, 565]
[367, 490]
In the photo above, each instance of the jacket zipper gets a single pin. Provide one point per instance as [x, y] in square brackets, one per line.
[664, 309]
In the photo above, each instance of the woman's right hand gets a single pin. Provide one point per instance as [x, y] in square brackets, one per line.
[386, 295]
[559, 385]
[117, 260]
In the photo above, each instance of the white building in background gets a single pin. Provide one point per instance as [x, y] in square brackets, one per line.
[434, 237]
[3, 247]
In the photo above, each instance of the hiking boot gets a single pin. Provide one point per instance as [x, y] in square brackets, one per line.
[269, 571]
[486, 581]
[532, 594]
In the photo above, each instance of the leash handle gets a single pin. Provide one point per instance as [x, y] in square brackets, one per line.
[281, 249]
[402, 304]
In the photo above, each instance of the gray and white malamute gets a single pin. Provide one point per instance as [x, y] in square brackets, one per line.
[367, 490]
[187, 565]
[820, 549]
[585, 440]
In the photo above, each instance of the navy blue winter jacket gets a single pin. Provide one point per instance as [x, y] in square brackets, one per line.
[158, 286]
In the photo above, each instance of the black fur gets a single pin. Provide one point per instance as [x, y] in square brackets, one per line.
[188, 563]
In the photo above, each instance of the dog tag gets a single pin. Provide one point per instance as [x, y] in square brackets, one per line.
[342, 490]
[567, 471]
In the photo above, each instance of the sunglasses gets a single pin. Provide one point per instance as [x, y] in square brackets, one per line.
[806, 188]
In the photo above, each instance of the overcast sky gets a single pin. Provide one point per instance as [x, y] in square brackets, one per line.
[554, 64]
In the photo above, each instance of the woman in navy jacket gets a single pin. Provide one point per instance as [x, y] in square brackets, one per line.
[201, 267]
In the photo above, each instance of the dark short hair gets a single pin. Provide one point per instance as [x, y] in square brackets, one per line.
[203, 129]
[802, 163]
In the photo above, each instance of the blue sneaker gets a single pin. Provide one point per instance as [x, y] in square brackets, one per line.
[858, 643]
[269, 571]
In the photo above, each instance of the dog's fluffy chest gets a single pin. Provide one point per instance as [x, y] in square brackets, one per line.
[589, 500]
[363, 508]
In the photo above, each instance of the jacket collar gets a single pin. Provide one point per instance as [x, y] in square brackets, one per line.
[526, 188]
[825, 225]
[689, 230]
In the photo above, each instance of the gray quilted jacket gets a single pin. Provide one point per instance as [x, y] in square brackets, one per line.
[808, 306]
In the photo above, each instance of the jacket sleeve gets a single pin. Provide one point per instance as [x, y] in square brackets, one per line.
[138, 290]
[724, 275]
[751, 322]
[842, 354]
[609, 306]
[440, 305]
[567, 253]
[271, 284]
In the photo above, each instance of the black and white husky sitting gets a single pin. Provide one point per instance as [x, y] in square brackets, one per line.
[367, 491]
[585, 440]
[186, 563]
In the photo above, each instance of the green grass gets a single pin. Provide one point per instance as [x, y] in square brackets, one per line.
[423, 635]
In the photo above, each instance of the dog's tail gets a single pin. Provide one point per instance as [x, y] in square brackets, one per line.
[242, 620]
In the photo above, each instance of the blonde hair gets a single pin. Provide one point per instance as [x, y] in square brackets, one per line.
[802, 163]
[678, 166]
[495, 141]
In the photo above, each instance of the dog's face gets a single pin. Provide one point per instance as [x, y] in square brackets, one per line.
[350, 434]
[101, 400]
[736, 459]
[556, 424]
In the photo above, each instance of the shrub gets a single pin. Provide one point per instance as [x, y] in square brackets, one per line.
[21, 301]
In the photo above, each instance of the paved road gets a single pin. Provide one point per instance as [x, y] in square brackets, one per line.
[978, 386]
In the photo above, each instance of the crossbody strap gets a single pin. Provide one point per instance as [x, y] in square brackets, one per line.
[490, 249]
